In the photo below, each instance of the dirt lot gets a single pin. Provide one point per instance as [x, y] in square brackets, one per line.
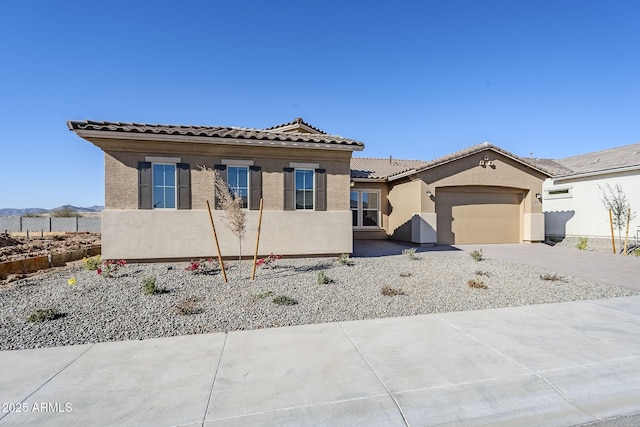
[17, 246]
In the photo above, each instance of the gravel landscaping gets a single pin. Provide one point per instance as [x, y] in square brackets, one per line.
[94, 308]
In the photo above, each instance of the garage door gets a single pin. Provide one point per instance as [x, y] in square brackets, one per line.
[473, 217]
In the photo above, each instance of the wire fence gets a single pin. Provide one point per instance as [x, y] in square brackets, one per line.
[49, 224]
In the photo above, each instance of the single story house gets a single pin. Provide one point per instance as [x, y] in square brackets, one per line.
[317, 197]
[573, 196]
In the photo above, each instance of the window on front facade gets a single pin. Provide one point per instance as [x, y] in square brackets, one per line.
[238, 182]
[304, 188]
[164, 186]
[365, 208]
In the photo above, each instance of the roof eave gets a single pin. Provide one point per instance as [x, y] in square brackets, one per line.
[88, 134]
[609, 171]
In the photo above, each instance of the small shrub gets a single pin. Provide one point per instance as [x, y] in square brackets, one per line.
[410, 253]
[268, 262]
[65, 212]
[552, 277]
[478, 284]
[405, 274]
[284, 300]
[323, 279]
[150, 288]
[344, 259]
[482, 273]
[636, 252]
[110, 267]
[203, 266]
[43, 315]
[187, 306]
[476, 255]
[388, 291]
[92, 263]
[264, 295]
[582, 243]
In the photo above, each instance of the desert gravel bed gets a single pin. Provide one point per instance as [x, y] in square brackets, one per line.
[98, 309]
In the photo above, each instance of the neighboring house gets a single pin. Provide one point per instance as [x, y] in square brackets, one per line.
[317, 198]
[573, 196]
[482, 194]
[156, 189]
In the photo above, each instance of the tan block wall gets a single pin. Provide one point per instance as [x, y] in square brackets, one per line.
[121, 175]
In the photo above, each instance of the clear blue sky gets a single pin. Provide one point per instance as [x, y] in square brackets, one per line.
[412, 79]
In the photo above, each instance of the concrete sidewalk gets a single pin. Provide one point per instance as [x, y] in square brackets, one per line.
[558, 364]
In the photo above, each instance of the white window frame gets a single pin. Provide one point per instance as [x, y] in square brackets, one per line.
[175, 183]
[245, 166]
[313, 190]
[561, 192]
[360, 210]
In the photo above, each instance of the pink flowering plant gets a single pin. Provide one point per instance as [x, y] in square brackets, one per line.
[110, 267]
[269, 261]
[203, 266]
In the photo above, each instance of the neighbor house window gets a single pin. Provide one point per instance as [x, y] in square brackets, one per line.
[304, 189]
[164, 186]
[365, 208]
[238, 182]
[560, 192]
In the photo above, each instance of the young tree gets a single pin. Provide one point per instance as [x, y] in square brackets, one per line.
[615, 199]
[235, 218]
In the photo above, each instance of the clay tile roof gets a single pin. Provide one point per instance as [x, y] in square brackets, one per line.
[613, 158]
[363, 167]
[296, 122]
[212, 132]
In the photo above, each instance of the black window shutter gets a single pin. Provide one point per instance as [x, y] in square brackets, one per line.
[289, 189]
[184, 186]
[144, 185]
[222, 174]
[255, 187]
[321, 189]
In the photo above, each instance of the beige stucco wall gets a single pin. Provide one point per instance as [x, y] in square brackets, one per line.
[121, 175]
[185, 234]
[410, 202]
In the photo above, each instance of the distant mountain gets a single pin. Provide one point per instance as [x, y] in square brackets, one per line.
[40, 211]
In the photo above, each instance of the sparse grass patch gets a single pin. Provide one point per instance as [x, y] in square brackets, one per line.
[263, 295]
[475, 283]
[476, 255]
[344, 259]
[410, 253]
[187, 306]
[388, 291]
[323, 279]
[582, 243]
[552, 277]
[482, 273]
[284, 300]
[43, 315]
[149, 287]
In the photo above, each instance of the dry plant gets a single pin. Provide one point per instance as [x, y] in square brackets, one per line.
[234, 217]
[479, 284]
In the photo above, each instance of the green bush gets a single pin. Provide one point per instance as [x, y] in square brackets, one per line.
[476, 255]
[92, 263]
[323, 279]
[284, 300]
[43, 315]
[344, 259]
[410, 253]
[582, 243]
[150, 288]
